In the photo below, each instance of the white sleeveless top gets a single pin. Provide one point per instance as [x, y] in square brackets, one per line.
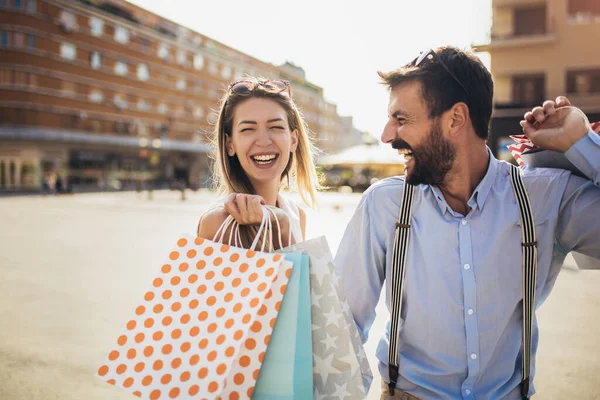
[293, 211]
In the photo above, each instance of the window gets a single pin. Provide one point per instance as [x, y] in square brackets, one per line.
[4, 39]
[198, 61]
[144, 43]
[19, 39]
[120, 68]
[95, 59]
[68, 51]
[3, 3]
[31, 43]
[142, 72]
[143, 105]
[32, 79]
[162, 108]
[121, 35]
[198, 112]
[18, 4]
[583, 10]
[181, 85]
[21, 77]
[96, 26]
[68, 88]
[529, 89]
[31, 6]
[68, 21]
[583, 81]
[120, 101]
[181, 57]
[213, 69]
[226, 72]
[197, 87]
[163, 51]
[530, 21]
[96, 96]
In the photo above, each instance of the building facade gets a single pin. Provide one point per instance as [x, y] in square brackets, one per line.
[541, 49]
[104, 94]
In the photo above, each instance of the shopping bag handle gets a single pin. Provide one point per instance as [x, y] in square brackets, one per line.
[265, 229]
[271, 209]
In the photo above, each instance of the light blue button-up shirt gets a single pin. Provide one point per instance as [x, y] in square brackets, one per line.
[461, 321]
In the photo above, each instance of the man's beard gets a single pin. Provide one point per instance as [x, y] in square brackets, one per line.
[432, 159]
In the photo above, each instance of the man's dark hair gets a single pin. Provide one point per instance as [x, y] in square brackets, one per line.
[441, 91]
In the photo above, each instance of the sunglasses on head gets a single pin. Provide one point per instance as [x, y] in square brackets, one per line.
[425, 56]
[243, 87]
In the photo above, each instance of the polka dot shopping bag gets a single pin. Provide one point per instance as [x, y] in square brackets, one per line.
[202, 328]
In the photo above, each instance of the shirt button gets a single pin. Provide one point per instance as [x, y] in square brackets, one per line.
[464, 222]
[470, 311]
[473, 356]
[467, 392]
[467, 266]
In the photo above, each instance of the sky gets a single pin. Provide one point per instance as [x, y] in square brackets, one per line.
[340, 44]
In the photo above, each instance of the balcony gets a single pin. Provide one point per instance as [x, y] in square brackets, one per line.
[510, 41]
[524, 24]
[516, 3]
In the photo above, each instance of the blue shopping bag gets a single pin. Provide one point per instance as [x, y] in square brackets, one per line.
[286, 372]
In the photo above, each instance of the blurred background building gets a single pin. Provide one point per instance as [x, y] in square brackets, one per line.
[541, 49]
[98, 95]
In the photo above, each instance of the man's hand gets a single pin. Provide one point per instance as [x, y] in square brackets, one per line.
[246, 209]
[556, 125]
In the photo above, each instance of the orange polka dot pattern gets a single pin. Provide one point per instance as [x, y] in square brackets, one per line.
[246, 368]
[203, 327]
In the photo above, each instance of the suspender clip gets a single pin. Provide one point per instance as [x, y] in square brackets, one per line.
[525, 388]
[393, 371]
[529, 244]
[402, 226]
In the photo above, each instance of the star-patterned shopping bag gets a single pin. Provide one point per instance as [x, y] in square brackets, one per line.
[202, 329]
[340, 367]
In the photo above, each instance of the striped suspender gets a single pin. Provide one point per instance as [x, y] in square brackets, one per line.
[397, 285]
[529, 251]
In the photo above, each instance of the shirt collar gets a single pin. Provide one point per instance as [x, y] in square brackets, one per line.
[481, 191]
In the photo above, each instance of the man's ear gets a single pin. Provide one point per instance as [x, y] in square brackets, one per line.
[229, 146]
[294, 141]
[457, 119]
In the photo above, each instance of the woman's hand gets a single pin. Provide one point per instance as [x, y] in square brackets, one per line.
[246, 209]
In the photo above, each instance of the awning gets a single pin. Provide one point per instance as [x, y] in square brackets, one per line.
[364, 155]
[53, 135]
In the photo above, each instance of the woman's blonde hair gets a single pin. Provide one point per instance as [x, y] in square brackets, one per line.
[300, 172]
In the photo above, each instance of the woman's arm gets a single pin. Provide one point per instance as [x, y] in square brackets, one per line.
[302, 222]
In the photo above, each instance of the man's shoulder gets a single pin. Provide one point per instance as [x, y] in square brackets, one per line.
[545, 187]
[385, 187]
[537, 178]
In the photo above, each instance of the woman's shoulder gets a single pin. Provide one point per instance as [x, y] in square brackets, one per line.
[211, 220]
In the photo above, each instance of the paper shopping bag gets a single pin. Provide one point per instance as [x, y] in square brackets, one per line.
[526, 153]
[340, 366]
[191, 332]
[286, 373]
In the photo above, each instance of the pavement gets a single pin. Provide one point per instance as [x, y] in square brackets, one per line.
[73, 268]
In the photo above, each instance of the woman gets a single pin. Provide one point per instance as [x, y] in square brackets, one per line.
[261, 144]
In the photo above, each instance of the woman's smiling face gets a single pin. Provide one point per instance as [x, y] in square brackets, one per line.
[262, 140]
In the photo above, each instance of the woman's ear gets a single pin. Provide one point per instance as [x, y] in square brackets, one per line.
[229, 146]
[294, 141]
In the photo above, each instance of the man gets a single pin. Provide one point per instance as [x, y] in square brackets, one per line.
[461, 321]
